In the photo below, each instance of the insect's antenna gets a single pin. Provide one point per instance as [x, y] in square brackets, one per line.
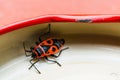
[26, 50]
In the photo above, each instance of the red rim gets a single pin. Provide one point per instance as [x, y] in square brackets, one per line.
[60, 18]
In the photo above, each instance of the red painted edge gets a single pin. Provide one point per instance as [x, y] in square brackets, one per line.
[60, 18]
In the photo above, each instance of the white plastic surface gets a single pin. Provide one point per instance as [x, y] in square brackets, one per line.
[86, 62]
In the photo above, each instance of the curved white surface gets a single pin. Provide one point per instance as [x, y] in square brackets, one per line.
[89, 57]
[86, 62]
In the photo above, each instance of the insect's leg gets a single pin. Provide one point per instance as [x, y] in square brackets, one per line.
[56, 56]
[37, 43]
[26, 50]
[52, 61]
[49, 30]
[33, 65]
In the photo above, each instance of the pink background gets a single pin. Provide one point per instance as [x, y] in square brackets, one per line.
[12, 11]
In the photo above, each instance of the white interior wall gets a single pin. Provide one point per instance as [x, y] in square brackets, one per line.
[100, 40]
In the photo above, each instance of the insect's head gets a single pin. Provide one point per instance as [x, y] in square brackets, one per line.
[62, 41]
[33, 55]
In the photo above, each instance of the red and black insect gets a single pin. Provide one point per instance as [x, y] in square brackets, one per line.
[44, 49]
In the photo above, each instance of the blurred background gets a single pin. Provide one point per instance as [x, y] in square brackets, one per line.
[12, 11]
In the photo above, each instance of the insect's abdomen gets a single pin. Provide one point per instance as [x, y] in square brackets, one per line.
[50, 46]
